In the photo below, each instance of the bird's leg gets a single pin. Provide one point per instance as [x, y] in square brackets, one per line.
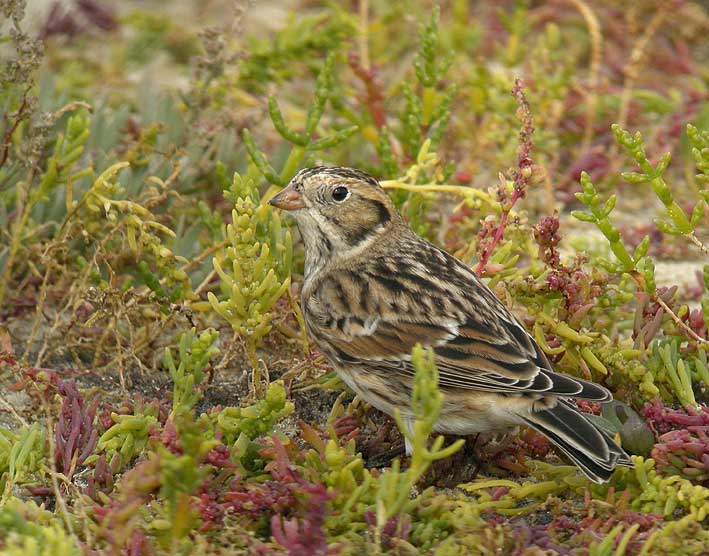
[376, 455]
[389, 455]
[470, 446]
[469, 450]
[385, 459]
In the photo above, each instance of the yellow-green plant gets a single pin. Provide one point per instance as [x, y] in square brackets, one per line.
[599, 215]
[180, 474]
[30, 530]
[25, 455]
[254, 267]
[653, 492]
[302, 142]
[142, 231]
[195, 353]
[257, 419]
[59, 170]
[700, 151]
[681, 376]
[679, 223]
[127, 437]
[427, 110]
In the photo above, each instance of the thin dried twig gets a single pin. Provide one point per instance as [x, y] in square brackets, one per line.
[591, 89]
[680, 323]
[363, 39]
[373, 95]
[199, 259]
[7, 405]
[637, 59]
[694, 239]
[10, 132]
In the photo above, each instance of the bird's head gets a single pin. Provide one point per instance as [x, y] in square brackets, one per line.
[337, 210]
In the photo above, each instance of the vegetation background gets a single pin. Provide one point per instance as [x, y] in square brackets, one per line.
[158, 394]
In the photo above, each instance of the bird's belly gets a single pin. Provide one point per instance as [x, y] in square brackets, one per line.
[375, 392]
[464, 425]
[464, 412]
[468, 412]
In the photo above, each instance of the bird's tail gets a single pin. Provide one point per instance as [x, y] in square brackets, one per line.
[590, 448]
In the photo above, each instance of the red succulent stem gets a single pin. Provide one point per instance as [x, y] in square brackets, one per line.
[374, 97]
[520, 175]
[499, 232]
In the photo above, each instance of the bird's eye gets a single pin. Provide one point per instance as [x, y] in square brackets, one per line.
[339, 194]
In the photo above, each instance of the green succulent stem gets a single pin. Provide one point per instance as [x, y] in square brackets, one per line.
[680, 223]
[254, 267]
[292, 163]
[599, 215]
[302, 143]
[426, 403]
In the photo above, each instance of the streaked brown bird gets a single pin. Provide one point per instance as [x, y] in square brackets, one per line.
[373, 289]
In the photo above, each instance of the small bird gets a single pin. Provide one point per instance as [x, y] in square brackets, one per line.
[373, 289]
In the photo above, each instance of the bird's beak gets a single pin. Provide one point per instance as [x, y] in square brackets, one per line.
[288, 199]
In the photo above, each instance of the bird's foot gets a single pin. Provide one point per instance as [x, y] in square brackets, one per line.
[385, 459]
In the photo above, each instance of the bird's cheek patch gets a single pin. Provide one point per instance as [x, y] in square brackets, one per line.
[365, 217]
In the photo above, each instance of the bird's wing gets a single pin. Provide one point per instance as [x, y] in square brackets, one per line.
[375, 316]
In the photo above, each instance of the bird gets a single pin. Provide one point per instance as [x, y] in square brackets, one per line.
[372, 289]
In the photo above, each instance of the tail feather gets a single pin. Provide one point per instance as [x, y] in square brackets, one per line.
[592, 391]
[590, 448]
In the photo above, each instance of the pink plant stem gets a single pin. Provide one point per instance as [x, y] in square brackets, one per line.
[520, 174]
[499, 232]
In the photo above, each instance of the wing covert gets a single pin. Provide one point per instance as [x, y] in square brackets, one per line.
[478, 344]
